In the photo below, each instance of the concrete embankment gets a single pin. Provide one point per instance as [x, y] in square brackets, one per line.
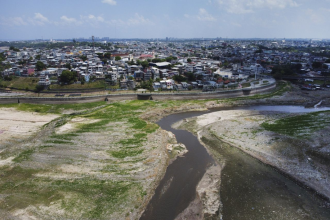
[133, 96]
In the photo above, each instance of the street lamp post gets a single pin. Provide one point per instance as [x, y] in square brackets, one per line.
[255, 75]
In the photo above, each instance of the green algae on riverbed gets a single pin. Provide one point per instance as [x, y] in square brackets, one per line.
[301, 126]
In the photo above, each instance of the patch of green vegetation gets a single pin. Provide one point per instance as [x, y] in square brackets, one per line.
[23, 156]
[104, 194]
[92, 127]
[68, 136]
[110, 168]
[140, 135]
[143, 125]
[137, 123]
[301, 126]
[45, 146]
[255, 131]
[90, 85]
[61, 121]
[178, 148]
[23, 83]
[57, 142]
[53, 108]
[126, 153]
[137, 140]
[22, 190]
[244, 85]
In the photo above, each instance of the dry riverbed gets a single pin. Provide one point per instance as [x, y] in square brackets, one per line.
[105, 164]
[297, 144]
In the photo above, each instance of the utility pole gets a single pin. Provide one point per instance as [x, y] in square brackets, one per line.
[255, 75]
[93, 44]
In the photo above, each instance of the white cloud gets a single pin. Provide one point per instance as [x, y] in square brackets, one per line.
[249, 6]
[203, 15]
[66, 21]
[315, 16]
[186, 16]
[13, 21]
[96, 18]
[236, 24]
[137, 20]
[93, 20]
[39, 19]
[110, 2]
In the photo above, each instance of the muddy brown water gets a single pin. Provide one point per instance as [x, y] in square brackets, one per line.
[249, 189]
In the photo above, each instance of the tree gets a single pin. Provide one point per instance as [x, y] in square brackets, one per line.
[144, 64]
[14, 48]
[317, 65]
[40, 66]
[179, 78]
[279, 71]
[189, 60]
[191, 77]
[82, 80]
[84, 58]
[38, 57]
[297, 66]
[100, 55]
[117, 58]
[68, 77]
[107, 55]
[39, 88]
[105, 61]
[68, 65]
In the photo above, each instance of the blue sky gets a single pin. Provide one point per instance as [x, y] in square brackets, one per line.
[35, 19]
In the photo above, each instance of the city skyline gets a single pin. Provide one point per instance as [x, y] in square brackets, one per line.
[179, 19]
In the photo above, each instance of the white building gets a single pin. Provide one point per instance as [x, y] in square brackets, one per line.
[44, 80]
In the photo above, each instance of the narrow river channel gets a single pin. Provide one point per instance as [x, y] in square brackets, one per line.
[249, 189]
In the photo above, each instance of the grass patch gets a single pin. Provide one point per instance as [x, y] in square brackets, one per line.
[90, 85]
[53, 108]
[64, 136]
[244, 85]
[143, 125]
[92, 127]
[104, 194]
[22, 190]
[300, 126]
[126, 153]
[23, 156]
[137, 140]
[57, 142]
[29, 83]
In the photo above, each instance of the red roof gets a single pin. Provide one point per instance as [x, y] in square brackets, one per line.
[146, 55]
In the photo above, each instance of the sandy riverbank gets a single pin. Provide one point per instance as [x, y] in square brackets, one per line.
[16, 126]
